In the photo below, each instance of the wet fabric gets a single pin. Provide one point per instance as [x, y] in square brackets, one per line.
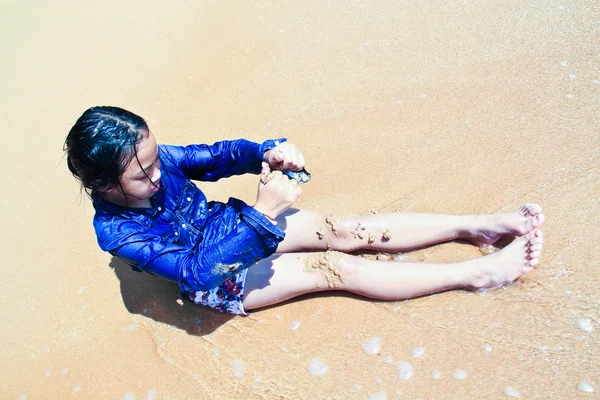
[183, 237]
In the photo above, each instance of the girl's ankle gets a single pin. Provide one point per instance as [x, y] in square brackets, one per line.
[471, 226]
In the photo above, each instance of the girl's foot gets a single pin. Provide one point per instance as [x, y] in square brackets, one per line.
[517, 223]
[509, 263]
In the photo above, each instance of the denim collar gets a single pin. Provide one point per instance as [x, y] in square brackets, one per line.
[157, 201]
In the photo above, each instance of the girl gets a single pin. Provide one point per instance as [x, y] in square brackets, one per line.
[234, 257]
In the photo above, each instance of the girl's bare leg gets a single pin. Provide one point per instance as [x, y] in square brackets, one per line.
[308, 230]
[281, 277]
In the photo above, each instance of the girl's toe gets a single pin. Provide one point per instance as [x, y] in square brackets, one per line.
[534, 209]
[534, 262]
[528, 237]
[538, 220]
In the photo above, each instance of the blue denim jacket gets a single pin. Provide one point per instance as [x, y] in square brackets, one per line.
[182, 237]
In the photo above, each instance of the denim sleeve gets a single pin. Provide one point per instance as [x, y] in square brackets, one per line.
[199, 268]
[204, 162]
[253, 239]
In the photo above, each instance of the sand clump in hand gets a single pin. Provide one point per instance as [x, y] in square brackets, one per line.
[266, 178]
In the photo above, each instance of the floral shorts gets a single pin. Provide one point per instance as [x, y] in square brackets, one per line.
[227, 297]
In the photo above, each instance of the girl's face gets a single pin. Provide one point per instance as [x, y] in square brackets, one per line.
[141, 179]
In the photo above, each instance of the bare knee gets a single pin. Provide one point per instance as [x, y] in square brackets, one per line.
[346, 233]
[332, 269]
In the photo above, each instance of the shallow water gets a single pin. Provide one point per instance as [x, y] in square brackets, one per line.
[456, 108]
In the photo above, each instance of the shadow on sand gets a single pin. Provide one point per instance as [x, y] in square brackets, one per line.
[156, 298]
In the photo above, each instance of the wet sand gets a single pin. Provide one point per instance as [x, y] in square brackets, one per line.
[452, 108]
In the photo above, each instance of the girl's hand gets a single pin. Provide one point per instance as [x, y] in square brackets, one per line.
[276, 192]
[285, 156]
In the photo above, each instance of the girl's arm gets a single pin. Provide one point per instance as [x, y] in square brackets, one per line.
[197, 268]
[223, 159]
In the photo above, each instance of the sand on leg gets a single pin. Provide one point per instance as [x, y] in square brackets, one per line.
[282, 277]
[309, 230]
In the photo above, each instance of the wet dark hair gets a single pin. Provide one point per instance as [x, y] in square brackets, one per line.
[101, 144]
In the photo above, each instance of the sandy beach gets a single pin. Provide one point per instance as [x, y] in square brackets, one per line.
[438, 107]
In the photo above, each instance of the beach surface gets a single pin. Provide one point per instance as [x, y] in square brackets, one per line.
[437, 107]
